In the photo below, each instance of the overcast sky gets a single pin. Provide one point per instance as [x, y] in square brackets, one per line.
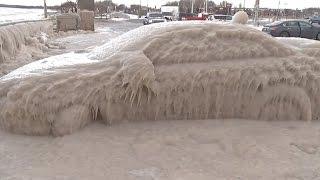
[249, 3]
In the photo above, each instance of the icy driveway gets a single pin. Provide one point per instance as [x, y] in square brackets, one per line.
[105, 30]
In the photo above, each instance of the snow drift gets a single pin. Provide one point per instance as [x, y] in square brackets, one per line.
[178, 71]
[26, 37]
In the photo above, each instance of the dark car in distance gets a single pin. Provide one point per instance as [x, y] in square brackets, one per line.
[293, 28]
[314, 19]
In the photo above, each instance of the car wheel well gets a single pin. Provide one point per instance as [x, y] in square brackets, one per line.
[285, 32]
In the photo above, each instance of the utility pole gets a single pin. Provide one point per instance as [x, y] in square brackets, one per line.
[140, 9]
[256, 12]
[45, 9]
[147, 6]
[206, 6]
[244, 4]
[278, 13]
[192, 6]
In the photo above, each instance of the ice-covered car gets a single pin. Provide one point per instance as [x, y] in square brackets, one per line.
[180, 70]
[292, 28]
[154, 17]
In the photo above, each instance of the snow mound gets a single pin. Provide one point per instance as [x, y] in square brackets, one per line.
[240, 17]
[179, 71]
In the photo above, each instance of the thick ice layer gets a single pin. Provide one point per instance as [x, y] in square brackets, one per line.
[16, 38]
[48, 65]
[240, 17]
[179, 71]
[306, 46]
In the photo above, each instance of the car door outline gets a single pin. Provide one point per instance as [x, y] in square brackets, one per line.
[306, 30]
[293, 28]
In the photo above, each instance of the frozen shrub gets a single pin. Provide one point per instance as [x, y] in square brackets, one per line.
[240, 17]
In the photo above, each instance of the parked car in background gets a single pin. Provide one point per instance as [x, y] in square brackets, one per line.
[153, 17]
[293, 28]
[192, 16]
[220, 17]
[314, 19]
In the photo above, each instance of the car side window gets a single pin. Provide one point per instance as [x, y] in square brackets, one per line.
[305, 25]
[290, 24]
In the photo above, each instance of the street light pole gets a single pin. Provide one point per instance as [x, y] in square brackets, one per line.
[192, 6]
[256, 12]
[147, 6]
[278, 13]
[140, 9]
[206, 6]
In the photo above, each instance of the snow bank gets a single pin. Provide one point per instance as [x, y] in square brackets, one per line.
[132, 16]
[240, 17]
[27, 37]
[178, 71]
[119, 19]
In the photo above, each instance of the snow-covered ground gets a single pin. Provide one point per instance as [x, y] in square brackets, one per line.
[133, 16]
[9, 15]
[118, 16]
[168, 150]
